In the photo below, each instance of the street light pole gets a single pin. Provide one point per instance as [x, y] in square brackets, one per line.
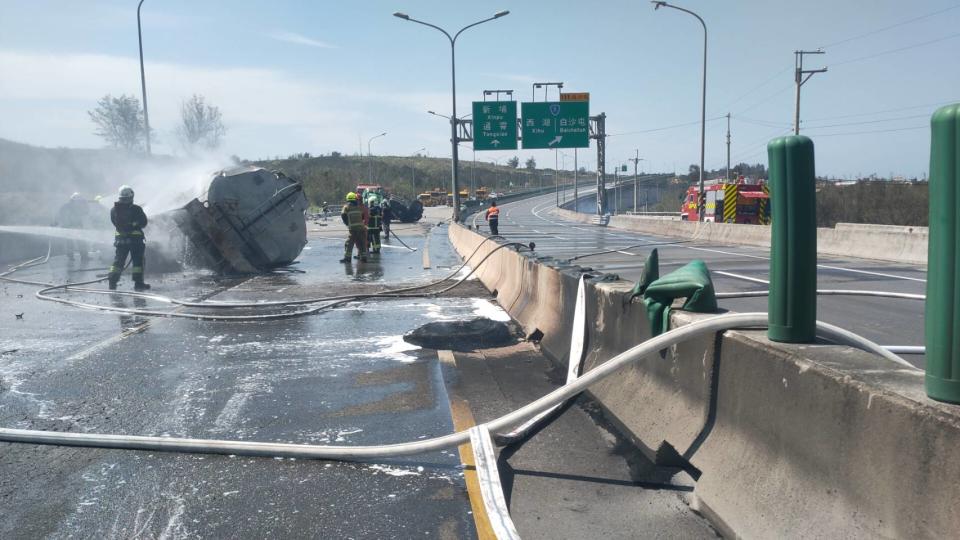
[556, 176]
[576, 202]
[413, 172]
[657, 4]
[370, 161]
[143, 81]
[453, 98]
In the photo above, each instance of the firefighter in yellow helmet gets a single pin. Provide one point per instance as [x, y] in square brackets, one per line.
[355, 217]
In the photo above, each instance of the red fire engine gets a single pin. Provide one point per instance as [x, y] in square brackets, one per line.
[741, 202]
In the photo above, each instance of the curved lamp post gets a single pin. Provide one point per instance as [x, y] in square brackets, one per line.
[453, 91]
[143, 80]
[657, 4]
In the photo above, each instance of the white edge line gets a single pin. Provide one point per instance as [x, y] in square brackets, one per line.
[740, 276]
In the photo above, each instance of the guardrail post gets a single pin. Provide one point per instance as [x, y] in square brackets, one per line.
[792, 303]
[942, 317]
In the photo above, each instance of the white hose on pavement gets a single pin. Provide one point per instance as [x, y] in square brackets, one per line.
[651, 346]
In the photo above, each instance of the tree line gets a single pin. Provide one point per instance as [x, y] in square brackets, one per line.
[120, 122]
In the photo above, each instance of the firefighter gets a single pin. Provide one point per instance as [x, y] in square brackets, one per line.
[387, 215]
[75, 214]
[493, 218]
[373, 227]
[355, 217]
[366, 220]
[129, 220]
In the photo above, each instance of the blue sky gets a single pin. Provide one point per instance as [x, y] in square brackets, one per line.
[293, 76]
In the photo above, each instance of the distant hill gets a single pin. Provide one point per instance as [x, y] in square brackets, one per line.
[329, 178]
[35, 181]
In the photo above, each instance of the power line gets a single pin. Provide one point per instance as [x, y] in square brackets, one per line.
[766, 99]
[885, 28]
[937, 104]
[759, 86]
[869, 121]
[873, 131]
[891, 51]
[664, 128]
[764, 123]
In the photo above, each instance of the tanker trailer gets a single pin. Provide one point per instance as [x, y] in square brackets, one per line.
[249, 220]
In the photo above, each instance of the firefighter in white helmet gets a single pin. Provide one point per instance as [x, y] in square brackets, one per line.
[129, 220]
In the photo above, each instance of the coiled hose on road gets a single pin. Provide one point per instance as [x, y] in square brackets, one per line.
[329, 302]
[709, 325]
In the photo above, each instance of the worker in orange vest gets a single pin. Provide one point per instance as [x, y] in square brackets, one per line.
[493, 218]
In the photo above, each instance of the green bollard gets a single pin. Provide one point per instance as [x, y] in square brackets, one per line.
[792, 304]
[942, 317]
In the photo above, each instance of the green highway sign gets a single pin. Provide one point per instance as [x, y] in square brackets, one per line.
[555, 124]
[494, 125]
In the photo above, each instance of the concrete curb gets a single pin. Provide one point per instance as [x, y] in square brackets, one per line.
[790, 440]
[879, 242]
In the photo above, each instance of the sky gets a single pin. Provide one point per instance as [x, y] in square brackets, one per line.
[320, 76]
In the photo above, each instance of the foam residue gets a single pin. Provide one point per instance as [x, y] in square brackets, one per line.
[391, 348]
[465, 271]
[395, 471]
[486, 308]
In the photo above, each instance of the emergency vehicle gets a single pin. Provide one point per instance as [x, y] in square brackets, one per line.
[743, 201]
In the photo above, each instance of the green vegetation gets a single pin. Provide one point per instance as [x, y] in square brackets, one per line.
[329, 178]
[872, 201]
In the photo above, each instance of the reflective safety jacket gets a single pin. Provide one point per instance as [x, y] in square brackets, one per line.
[375, 218]
[354, 216]
[129, 220]
[493, 213]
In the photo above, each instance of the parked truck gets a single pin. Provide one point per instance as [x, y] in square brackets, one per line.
[742, 201]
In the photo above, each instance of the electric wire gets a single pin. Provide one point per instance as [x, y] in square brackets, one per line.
[890, 27]
[892, 51]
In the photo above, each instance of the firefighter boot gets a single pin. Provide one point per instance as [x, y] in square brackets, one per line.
[112, 284]
[141, 286]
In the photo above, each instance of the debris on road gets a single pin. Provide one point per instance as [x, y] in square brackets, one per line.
[464, 335]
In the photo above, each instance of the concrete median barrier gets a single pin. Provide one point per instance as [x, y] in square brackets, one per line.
[879, 242]
[787, 440]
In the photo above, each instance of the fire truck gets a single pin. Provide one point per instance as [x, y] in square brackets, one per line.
[743, 201]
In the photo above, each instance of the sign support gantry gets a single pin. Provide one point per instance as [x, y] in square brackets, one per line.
[598, 132]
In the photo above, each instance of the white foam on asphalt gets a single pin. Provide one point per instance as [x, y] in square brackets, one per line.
[395, 471]
[391, 348]
[486, 308]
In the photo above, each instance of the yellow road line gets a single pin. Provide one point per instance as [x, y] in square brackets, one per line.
[426, 252]
[462, 421]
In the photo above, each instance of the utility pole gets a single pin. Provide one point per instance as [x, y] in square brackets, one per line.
[728, 147]
[800, 80]
[616, 189]
[600, 134]
[636, 184]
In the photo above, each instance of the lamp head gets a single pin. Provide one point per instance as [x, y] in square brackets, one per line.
[402, 15]
[657, 4]
[499, 14]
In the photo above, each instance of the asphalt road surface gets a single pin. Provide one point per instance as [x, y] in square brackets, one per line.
[733, 268]
[340, 377]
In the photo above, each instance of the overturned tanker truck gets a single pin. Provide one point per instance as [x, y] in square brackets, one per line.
[249, 220]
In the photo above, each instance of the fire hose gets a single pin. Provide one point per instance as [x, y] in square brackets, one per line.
[649, 347]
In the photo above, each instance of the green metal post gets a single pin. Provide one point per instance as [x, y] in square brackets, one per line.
[793, 240]
[942, 317]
